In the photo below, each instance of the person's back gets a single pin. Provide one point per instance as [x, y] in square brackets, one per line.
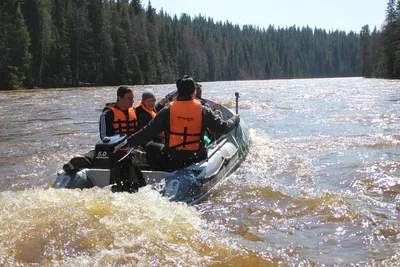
[185, 128]
[184, 123]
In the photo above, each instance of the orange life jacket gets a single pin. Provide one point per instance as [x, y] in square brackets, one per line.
[152, 113]
[122, 123]
[185, 125]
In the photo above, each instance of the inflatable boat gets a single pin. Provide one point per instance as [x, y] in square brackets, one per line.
[115, 167]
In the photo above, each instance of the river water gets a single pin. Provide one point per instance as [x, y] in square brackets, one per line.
[320, 186]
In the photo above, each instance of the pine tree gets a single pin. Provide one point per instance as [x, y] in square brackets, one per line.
[59, 70]
[396, 37]
[387, 48]
[102, 44]
[16, 58]
[364, 52]
[82, 51]
[374, 51]
[39, 20]
[153, 60]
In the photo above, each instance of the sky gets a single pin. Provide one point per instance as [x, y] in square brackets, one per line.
[346, 15]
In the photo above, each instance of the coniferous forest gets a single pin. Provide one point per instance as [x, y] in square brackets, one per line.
[63, 43]
[380, 51]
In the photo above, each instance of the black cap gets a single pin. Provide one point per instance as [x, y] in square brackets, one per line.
[185, 86]
[122, 90]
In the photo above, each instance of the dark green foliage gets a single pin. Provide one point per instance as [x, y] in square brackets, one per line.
[38, 18]
[364, 52]
[15, 57]
[111, 42]
[59, 59]
[386, 62]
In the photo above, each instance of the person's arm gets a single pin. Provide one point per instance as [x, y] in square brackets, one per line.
[160, 105]
[151, 130]
[106, 124]
[143, 119]
[218, 112]
[216, 123]
[214, 107]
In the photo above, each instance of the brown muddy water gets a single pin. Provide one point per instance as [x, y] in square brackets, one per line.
[320, 186]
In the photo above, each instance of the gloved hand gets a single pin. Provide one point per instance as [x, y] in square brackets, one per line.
[236, 119]
[171, 94]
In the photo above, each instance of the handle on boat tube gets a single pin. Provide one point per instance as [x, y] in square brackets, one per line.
[237, 102]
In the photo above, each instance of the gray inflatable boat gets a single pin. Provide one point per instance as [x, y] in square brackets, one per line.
[114, 168]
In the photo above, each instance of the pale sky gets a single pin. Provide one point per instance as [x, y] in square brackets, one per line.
[344, 15]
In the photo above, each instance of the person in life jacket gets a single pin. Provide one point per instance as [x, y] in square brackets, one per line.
[119, 117]
[146, 110]
[116, 118]
[184, 123]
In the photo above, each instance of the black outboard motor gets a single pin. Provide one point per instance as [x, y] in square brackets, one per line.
[114, 153]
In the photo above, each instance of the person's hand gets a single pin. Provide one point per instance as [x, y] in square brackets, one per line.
[214, 106]
[236, 119]
[163, 101]
[171, 94]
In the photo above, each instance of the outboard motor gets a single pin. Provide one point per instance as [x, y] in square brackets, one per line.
[114, 153]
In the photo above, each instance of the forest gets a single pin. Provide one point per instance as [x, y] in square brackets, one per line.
[379, 54]
[64, 43]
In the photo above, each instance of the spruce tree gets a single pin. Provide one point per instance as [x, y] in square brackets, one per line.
[16, 58]
[365, 67]
[39, 21]
[59, 70]
[387, 45]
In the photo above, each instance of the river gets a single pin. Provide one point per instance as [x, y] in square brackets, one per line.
[320, 186]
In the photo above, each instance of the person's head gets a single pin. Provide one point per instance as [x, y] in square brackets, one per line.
[198, 90]
[149, 99]
[124, 97]
[185, 86]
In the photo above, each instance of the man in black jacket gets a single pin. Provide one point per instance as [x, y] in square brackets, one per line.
[184, 130]
[122, 109]
[107, 126]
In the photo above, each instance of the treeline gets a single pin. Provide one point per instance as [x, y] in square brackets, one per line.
[380, 51]
[61, 43]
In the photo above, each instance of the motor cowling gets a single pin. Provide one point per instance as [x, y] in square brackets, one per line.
[114, 153]
[110, 150]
